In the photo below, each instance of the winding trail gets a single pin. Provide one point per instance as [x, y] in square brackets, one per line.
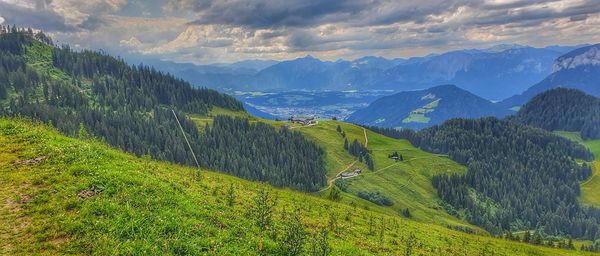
[366, 138]
[337, 176]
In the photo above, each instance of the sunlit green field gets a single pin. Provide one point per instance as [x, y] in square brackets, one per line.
[590, 189]
[406, 183]
[84, 198]
[419, 115]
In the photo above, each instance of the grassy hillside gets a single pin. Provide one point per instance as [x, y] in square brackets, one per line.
[590, 187]
[68, 196]
[406, 183]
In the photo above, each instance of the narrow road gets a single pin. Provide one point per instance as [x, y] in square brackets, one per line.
[366, 138]
[594, 174]
[337, 176]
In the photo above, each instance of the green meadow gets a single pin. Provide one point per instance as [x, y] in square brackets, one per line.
[78, 196]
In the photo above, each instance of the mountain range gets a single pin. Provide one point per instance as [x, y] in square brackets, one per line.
[494, 73]
[577, 69]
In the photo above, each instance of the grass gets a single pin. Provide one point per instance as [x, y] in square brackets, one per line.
[407, 183]
[590, 187]
[88, 199]
[39, 57]
[202, 120]
[418, 115]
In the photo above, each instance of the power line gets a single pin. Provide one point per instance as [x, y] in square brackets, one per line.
[186, 139]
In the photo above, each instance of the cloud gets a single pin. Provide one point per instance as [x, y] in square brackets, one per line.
[228, 30]
[271, 14]
[59, 15]
[132, 43]
[30, 16]
[84, 13]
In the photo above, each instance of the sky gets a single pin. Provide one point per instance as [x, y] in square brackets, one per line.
[205, 31]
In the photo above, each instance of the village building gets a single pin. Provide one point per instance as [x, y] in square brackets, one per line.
[347, 175]
[303, 121]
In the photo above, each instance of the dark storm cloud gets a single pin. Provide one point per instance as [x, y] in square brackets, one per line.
[277, 13]
[535, 16]
[302, 13]
[92, 23]
[34, 17]
[579, 17]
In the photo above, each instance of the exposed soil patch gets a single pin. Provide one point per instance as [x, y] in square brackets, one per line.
[87, 193]
[24, 198]
[83, 194]
[33, 161]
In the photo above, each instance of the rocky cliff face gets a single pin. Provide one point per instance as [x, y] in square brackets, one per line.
[584, 56]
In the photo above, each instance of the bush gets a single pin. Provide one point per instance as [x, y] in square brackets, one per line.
[375, 197]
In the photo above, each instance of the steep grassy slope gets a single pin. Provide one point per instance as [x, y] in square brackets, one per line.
[133, 108]
[81, 197]
[589, 188]
[406, 183]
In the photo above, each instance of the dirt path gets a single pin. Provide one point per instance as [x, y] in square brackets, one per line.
[595, 174]
[337, 176]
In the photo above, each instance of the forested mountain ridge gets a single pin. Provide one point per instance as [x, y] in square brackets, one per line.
[563, 109]
[425, 108]
[86, 93]
[519, 177]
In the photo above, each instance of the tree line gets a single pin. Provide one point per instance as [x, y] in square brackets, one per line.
[257, 151]
[518, 177]
[563, 109]
[357, 149]
[130, 107]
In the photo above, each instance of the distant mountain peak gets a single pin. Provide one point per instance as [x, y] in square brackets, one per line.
[589, 55]
[423, 108]
[504, 47]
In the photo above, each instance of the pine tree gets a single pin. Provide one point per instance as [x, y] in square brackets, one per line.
[231, 195]
[320, 244]
[335, 194]
[83, 133]
[371, 225]
[570, 244]
[382, 231]
[410, 243]
[406, 213]
[527, 237]
[294, 235]
[262, 211]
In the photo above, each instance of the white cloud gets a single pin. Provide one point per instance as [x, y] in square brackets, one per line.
[216, 31]
[131, 43]
[1, 20]
[76, 12]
